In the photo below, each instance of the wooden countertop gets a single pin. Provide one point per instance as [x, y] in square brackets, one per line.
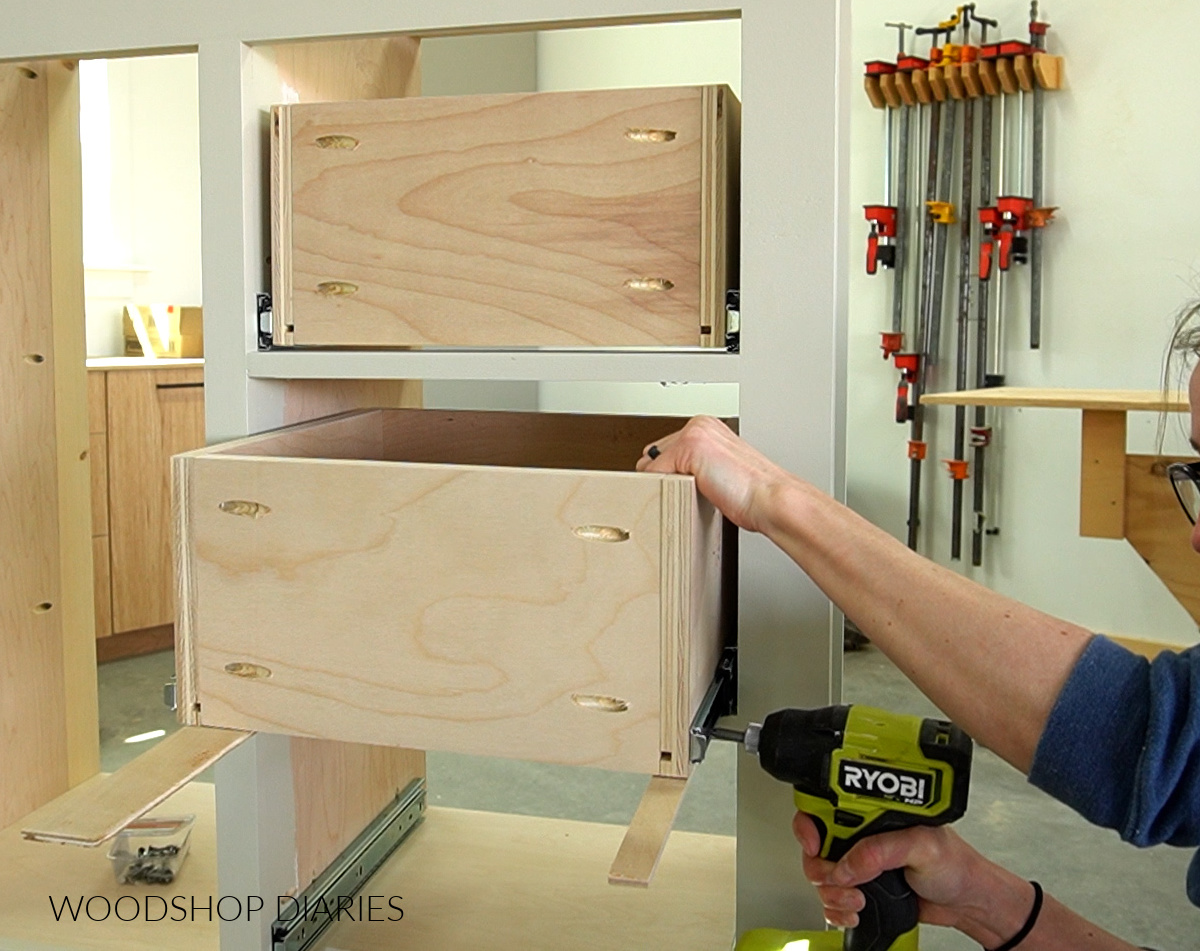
[1149, 401]
[142, 363]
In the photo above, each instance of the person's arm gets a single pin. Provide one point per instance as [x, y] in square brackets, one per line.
[995, 666]
[956, 887]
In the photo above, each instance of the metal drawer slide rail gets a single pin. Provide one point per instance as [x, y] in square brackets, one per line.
[316, 907]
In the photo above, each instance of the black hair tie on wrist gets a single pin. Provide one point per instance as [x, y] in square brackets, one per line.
[1029, 922]
[654, 452]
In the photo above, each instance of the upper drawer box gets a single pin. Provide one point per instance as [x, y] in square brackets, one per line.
[571, 219]
[496, 583]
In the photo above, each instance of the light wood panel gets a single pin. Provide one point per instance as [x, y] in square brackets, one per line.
[552, 872]
[33, 744]
[417, 611]
[1155, 526]
[311, 399]
[568, 616]
[97, 397]
[553, 891]
[30, 872]
[99, 808]
[366, 68]
[152, 414]
[550, 219]
[72, 419]
[339, 788]
[98, 457]
[644, 842]
[101, 588]
[1146, 401]
[1102, 474]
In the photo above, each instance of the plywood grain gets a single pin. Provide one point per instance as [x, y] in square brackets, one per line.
[437, 607]
[1102, 474]
[1155, 526]
[478, 879]
[98, 482]
[644, 842]
[152, 414]
[71, 413]
[549, 219]
[97, 397]
[101, 587]
[32, 685]
[339, 789]
[364, 68]
[99, 808]
[1147, 401]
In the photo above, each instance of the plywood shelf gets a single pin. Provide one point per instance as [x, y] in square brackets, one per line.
[1142, 401]
[690, 365]
[552, 870]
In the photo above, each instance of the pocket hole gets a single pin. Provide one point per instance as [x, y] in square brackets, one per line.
[27, 73]
[248, 671]
[345, 142]
[244, 508]
[42, 608]
[336, 288]
[35, 358]
[600, 533]
[83, 455]
[591, 701]
[649, 284]
[650, 135]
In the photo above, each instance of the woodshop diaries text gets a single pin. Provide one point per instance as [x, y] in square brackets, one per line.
[225, 908]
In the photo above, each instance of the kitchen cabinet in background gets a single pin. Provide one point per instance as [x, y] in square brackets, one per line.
[141, 414]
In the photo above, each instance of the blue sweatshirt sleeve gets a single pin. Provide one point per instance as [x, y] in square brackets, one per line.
[1122, 746]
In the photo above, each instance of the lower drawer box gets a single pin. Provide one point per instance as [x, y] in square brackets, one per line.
[492, 583]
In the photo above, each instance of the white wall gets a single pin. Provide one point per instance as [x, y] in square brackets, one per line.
[1121, 260]
[141, 189]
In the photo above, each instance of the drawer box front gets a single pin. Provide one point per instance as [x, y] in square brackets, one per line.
[537, 614]
[547, 219]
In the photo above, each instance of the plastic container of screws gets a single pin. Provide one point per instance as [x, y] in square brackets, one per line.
[150, 850]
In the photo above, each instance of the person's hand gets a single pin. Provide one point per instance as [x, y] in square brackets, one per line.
[955, 885]
[737, 479]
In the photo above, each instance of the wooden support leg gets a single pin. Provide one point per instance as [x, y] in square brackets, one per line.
[1102, 474]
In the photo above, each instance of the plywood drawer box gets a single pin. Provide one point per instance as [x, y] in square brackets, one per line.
[495, 583]
[566, 219]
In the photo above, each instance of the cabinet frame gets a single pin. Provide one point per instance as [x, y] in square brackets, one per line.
[791, 369]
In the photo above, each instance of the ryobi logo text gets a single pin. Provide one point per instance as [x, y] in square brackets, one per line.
[886, 782]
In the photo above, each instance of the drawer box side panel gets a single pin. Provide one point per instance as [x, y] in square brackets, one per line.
[431, 607]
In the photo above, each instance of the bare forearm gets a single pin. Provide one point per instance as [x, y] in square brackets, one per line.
[993, 665]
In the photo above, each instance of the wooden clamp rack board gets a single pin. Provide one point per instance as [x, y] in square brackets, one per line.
[1121, 494]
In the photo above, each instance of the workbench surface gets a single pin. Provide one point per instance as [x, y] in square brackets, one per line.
[464, 880]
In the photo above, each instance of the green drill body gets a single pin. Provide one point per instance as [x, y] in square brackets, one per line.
[859, 771]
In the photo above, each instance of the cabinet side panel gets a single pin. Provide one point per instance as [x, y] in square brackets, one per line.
[479, 611]
[281, 226]
[549, 219]
[339, 788]
[676, 597]
[34, 756]
[707, 612]
[152, 414]
[186, 708]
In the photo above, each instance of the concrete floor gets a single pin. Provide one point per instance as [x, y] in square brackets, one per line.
[1137, 894]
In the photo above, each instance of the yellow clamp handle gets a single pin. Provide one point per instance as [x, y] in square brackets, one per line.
[942, 212]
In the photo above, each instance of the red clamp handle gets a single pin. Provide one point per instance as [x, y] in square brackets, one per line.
[873, 251]
[1005, 256]
[986, 250]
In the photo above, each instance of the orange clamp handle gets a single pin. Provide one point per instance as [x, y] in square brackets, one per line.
[958, 468]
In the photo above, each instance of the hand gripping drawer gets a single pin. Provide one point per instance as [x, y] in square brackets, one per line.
[492, 583]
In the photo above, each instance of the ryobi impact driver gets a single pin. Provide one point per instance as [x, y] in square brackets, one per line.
[859, 771]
